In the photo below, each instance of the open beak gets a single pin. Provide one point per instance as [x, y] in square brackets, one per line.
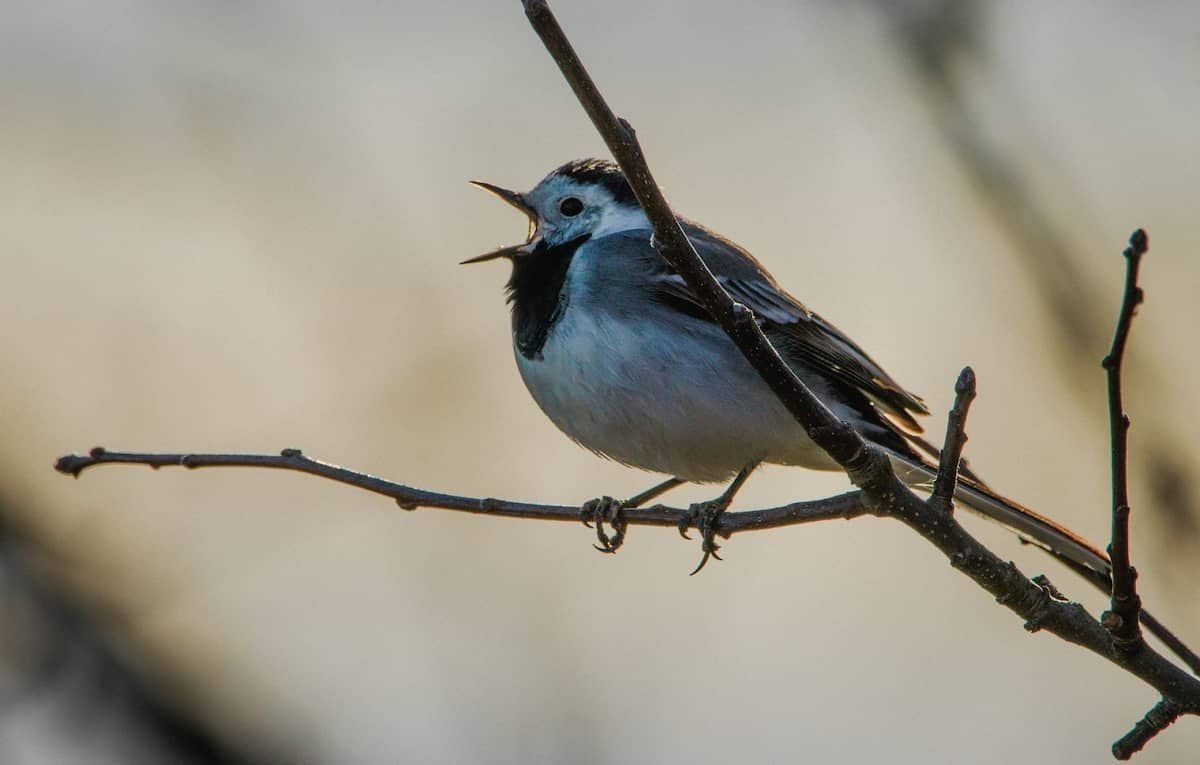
[517, 201]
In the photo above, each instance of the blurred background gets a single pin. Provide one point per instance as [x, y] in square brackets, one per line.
[235, 227]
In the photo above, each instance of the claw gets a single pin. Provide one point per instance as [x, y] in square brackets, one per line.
[700, 565]
[600, 511]
[685, 522]
[705, 516]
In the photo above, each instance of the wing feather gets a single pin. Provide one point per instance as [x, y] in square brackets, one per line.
[799, 334]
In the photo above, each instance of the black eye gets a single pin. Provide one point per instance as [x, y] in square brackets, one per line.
[570, 207]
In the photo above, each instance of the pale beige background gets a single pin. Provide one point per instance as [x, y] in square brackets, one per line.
[235, 227]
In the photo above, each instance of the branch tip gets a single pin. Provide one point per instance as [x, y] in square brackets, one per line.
[966, 382]
[534, 7]
[1160, 716]
[1139, 244]
[69, 465]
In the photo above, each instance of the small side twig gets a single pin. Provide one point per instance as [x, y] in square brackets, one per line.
[956, 439]
[1122, 618]
[1160, 716]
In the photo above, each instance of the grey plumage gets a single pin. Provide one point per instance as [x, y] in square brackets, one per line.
[617, 351]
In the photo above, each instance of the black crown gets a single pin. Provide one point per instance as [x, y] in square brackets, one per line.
[600, 172]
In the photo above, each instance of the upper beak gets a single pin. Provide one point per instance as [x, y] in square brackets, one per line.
[517, 201]
[512, 197]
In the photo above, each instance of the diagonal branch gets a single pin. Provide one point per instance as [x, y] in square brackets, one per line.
[1122, 619]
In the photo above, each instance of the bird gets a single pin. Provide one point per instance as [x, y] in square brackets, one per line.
[620, 354]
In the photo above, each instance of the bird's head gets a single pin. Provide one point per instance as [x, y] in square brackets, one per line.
[583, 198]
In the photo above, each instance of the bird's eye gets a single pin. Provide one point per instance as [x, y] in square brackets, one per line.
[570, 207]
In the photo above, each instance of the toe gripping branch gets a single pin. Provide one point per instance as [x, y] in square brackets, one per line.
[601, 511]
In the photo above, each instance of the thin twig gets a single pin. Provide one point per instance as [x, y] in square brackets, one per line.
[1122, 619]
[845, 506]
[848, 505]
[956, 439]
[1156, 721]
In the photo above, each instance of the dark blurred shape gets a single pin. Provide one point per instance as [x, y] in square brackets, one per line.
[72, 690]
[939, 38]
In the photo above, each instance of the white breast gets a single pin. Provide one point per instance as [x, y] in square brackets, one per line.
[694, 409]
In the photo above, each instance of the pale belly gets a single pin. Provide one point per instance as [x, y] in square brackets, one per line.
[694, 409]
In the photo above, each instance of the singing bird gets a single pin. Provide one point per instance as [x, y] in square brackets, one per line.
[620, 354]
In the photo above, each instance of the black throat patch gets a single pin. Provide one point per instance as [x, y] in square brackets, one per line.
[536, 293]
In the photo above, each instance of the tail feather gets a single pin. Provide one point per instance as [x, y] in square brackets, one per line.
[1030, 526]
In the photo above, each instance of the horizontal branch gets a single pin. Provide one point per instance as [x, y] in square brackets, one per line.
[1031, 601]
[848, 505]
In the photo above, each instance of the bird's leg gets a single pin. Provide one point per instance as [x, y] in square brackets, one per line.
[704, 516]
[612, 511]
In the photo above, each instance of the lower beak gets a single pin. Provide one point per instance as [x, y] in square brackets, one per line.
[517, 201]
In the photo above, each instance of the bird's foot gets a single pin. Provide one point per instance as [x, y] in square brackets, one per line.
[601, 511]
[705, 516]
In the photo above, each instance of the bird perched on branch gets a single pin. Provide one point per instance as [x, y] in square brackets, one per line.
[621, 355]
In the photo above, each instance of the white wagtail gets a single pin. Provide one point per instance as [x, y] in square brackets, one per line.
[620, 355]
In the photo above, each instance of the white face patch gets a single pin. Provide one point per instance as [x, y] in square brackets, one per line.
[599, 217]
[616, 218]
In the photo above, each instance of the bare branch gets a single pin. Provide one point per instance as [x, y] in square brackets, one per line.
[1122, 619]
[1156, 721]
[846, 506]
[956, 438]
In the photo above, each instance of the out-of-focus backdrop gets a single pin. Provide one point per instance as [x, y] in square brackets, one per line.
[235, 226]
